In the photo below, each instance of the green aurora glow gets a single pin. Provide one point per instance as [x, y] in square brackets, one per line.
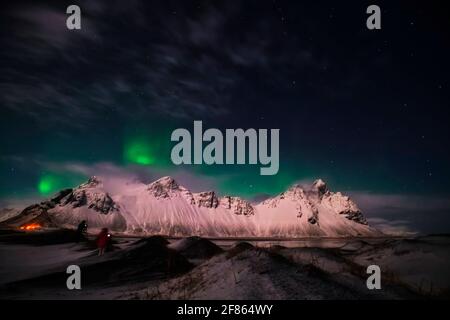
[139, 151]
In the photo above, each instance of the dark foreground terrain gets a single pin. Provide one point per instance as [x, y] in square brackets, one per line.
[34, 267]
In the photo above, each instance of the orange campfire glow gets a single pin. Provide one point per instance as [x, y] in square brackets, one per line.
[31, 226]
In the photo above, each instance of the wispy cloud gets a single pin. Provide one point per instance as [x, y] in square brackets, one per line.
[190, 63]
[407, 213]
[114, 175]
[392, 227]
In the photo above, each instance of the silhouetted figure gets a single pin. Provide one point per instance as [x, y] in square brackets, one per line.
[81, 231]
[103, 239]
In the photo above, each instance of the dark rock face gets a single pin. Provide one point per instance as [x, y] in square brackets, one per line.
[206, 199]
[356, 216]
[60, 195]
[101, 203]
[320, 186]
[238, 205]
[313, 219]
[162, 188]
[77, 200]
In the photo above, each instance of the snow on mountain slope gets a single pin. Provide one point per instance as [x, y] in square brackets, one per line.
[8, 213]
[69, 207]
[165, 207]
[90, 202]
[313, 212]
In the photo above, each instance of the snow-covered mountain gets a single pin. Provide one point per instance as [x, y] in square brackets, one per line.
[165, 207]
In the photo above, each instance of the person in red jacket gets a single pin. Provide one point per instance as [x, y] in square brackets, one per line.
[103, 239]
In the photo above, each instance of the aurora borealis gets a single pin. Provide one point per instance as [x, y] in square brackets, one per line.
[367, 111]
[139, 151]
[47, 184]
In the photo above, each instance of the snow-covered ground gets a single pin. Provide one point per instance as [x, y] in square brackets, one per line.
[21, 262]
[196, 268]
[423, 264]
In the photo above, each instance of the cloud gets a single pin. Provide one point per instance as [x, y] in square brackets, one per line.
[185, 64]
[408, 213]
[163, 75]
[115, 177]
[19, 203]
[400, 214]
[392, 227]
[47, 27]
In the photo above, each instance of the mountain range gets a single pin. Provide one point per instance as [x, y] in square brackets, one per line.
[167, 208]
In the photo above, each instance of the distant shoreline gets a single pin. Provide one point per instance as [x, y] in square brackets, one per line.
[137, 236]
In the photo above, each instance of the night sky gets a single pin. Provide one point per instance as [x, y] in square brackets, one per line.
[365, 110]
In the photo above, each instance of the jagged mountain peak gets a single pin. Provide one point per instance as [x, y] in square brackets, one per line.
[166, 180]
[343, 205]
[320, 186]
[164, 183]
[207, 199]
[90, 194]
[93, 199]
[296, 191]
[167, 187]
[293, 193]
[93, 182]
[238, 205]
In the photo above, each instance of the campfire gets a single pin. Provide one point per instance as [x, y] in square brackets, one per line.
[30, 227]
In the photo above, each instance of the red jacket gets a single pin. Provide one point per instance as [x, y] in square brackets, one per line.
[102, 239]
